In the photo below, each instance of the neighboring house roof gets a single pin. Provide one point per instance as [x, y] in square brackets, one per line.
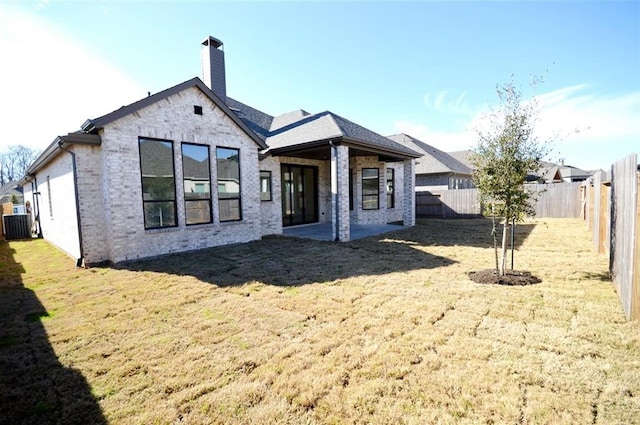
[433, 160]
[195, 169]
[155, 154]
[92, 125]
[9, 190]
[550, 172]
[464, 157]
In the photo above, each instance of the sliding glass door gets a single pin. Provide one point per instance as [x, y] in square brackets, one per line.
[299, 194]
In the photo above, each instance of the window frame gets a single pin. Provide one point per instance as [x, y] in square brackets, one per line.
[391, 195]
[49, 198]
[174, 201]
[210, 198]
[369, 196]
[266, 175]
[239, 197]
[351, 197]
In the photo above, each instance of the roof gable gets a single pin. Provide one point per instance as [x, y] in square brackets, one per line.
[92, 125]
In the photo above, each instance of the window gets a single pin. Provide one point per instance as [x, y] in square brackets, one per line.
[350, 189]
[197, 183]
[265, 185]
[370, 189]
[228, 161]
[158, 183]
[49, 197]
[390, 188]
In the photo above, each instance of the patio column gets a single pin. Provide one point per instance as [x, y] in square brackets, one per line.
[340, 193]
[409, 191]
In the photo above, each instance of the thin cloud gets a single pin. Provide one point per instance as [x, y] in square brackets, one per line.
[590, 131]
[53, 83]
[440, 101]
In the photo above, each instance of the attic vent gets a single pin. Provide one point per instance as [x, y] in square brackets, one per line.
[197, 109]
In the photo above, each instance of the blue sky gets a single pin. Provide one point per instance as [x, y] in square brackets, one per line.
[425, 68]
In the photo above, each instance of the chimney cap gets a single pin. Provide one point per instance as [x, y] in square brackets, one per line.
[212, 41]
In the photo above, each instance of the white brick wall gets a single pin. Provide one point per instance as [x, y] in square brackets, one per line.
[397, 212]
[94, 226]
[122, 232]
[271, 211]
[358, 215]
[409, 192]
[58, 221]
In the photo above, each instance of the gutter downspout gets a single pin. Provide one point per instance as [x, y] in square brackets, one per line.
[36, 204]
[79, 261]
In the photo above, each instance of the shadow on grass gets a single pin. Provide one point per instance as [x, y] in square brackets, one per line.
[289, 261]
[34, 387]
[463, 232]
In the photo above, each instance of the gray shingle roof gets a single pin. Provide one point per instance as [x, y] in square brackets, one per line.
[300, 127]
[464, 157]
[256, 120]
[433, 160]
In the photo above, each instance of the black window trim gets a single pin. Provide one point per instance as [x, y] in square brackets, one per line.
[391, 195]
[270, 186]
[175, 197]
[377, 195]
[210, 188]
[239, 183]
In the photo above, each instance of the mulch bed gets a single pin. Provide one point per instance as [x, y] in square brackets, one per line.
[511, 278]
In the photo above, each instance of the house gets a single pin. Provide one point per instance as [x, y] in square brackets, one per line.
[559, 173]
[190, 168]
[436, 170]
[11, 192]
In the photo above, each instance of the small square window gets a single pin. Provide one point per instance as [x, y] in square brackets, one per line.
[197, 109]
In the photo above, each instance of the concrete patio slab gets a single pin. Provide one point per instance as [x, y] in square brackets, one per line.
[322, 231]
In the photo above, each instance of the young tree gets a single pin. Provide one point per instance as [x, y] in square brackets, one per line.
[507, 152]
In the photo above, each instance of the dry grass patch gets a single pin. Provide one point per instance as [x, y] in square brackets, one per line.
[284, 330]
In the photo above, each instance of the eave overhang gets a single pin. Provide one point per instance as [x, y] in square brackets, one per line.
[320, 149]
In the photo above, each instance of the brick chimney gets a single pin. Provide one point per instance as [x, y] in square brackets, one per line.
[213, 73]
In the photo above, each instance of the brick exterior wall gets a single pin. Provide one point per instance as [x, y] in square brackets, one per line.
[271, 211]
[122, 232]
[358, 215]
[409, 192]
[90, 193]
[397, 212]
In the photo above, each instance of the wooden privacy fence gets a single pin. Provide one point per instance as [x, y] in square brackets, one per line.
[460, 203]
[612, 212]
[624, 244]
[559, 200]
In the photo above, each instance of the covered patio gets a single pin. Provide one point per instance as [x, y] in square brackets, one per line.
[324, 231]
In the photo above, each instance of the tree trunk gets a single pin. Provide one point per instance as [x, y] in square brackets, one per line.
[505, 238]
[494, 232]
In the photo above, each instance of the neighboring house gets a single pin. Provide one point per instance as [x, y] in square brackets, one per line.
[11, 192]
[464, 157]
[559, 173]
[189, 168]
[437, 170]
